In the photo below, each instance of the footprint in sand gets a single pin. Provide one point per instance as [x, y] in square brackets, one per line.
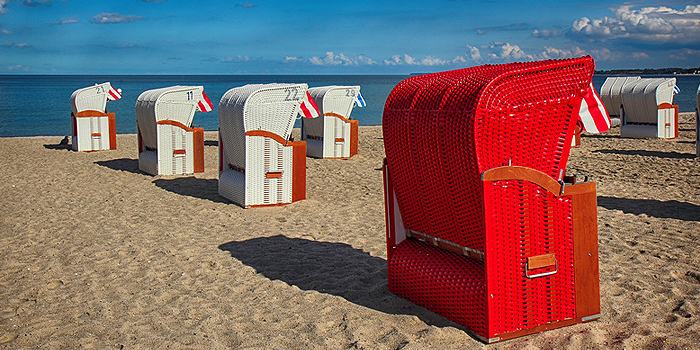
[54, 284]
[7, 337]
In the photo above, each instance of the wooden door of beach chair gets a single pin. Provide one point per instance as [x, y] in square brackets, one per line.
[93, 128]
[258, 164]
[168, 144]
[648, 110]
[333, 134]
[483, 227]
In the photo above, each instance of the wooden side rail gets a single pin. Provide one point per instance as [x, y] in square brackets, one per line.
[269, 134]
[536, 177]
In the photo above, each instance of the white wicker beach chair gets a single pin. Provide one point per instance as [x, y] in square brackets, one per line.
[93, 128]
[258, 164]
[610, 93]
[333, 135]
[648, 110]
[168, 145]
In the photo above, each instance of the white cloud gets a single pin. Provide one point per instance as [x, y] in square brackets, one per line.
[507, 51]
[6, 32]
[291, 59]
[69, 20]
[545, 34]
[654, 25]
[107, 18]
[332, 59]
[19, 45]
[17, 68]
[556, 53]
[433, 61]
[238, 58]
[2, 6]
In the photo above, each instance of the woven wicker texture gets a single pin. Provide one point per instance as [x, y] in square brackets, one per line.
[170, 103]
[526, 221]
[322, 133]
[247, 159]
[441, 131]
[163, 116]
[441, 281]
[91, 98]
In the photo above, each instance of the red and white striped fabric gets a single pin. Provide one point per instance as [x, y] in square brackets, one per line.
[592, 113]
[308, 107]
[204, 105]
[114, 94]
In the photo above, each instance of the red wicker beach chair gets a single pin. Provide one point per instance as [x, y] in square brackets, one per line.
[483, 227]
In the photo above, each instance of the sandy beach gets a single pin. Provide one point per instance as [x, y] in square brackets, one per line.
[97, 255]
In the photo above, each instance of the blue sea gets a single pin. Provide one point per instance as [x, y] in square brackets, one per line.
[32, 105]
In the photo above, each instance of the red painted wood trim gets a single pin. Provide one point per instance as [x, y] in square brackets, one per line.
[298, 170]
[174, 123]
[198, 149]
[112, 130]
[354, 135]
[269, 134]
[585, 232]
[90, 113]
[337, 116]
[523, 173]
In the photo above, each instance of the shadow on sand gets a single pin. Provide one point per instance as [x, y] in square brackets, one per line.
[644, 153]
[122, 164]
[191, 186]
[333, 268]
[652, 207]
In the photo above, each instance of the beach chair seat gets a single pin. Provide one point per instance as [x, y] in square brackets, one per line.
[647, 109]
[93, 129]
[483, 226]
[168, 144]
[258, 164]
[333, 134]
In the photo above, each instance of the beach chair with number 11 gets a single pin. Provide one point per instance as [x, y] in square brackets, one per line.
[483, 227]
[168, 144]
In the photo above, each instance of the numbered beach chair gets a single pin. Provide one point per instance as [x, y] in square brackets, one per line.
[258, 164]
[334, 134]
[168, 144]
[648, 110]
[93, 128]
[483, 227]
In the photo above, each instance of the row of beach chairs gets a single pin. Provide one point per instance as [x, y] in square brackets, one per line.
[644, 106]
[483, 226]
[259, 164]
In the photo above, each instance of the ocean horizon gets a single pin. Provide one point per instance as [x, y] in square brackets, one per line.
[39, 105]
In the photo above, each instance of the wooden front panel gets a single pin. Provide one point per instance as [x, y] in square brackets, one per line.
[298, 170]
[198, 149]
[586, 273]
[354, 133]
[112, 131]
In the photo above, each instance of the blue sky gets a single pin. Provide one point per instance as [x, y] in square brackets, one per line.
[337, 37]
